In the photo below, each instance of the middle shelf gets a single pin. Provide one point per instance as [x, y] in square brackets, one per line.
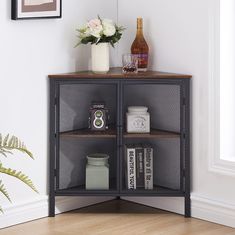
[112, 133]
[87, 133]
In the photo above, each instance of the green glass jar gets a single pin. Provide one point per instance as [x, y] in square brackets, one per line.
[97, 172]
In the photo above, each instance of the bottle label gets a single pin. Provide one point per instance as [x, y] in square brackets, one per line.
[142, 60]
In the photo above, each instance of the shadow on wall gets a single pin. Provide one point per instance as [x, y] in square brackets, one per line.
[79, 55]
[151, 43]
[82, 55]
[8, 9]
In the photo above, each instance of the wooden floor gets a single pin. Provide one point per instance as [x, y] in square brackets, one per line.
[118, 218]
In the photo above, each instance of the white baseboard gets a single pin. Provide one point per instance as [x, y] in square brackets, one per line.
[213, 210]
[38, 208]
[25, 211]
[202, 208]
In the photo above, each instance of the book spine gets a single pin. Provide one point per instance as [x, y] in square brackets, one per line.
[131, 168]
[139, 167]
[148, 168]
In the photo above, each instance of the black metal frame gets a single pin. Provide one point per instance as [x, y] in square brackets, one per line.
[14, 13]
[184, 141]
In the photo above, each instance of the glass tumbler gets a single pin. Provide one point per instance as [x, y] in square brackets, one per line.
[129, 63]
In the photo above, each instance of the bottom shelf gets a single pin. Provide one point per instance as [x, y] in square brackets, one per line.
[157, 191]
[81, 190]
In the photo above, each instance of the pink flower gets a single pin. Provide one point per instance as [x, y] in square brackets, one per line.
[94, 23]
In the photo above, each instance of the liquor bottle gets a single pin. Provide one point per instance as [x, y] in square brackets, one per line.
[140, 47]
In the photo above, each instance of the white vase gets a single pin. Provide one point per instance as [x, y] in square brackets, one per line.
[100, 57]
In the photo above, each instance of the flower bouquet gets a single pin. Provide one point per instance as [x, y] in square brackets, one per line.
[99, 33]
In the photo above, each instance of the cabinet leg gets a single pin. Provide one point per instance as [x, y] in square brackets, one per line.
[187, 206]
[51, 206]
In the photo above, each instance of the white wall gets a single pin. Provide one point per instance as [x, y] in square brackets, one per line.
[227, 71]
[29, 51]
[179, 35]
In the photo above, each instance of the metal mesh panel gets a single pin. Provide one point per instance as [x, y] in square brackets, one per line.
[75, 101]
[166, 161]
[73, 154]
[163, 102]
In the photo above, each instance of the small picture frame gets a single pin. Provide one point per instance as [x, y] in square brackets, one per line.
[35, 9]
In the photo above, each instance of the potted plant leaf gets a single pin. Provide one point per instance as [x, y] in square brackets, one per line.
[7, 145]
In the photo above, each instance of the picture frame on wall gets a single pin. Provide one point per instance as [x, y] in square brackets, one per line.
[35, 9]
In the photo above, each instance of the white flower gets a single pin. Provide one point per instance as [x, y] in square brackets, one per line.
[84, 31]
[95, 28]
[94, 23]
[97, 31]
[109, 28]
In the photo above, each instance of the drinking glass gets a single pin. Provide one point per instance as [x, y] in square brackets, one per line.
[129, 63]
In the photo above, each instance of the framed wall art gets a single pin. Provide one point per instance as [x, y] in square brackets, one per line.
[36, 9]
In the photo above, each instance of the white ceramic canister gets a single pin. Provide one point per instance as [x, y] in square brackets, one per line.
[97, 171]
[100, 57]
[138, 119]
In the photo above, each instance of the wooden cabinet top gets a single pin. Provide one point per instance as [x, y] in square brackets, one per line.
[117, 73]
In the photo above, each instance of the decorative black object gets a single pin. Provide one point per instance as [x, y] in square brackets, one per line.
[35, 9]
[98, 120]
[168, 98]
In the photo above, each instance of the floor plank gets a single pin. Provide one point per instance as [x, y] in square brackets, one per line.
[118, 218]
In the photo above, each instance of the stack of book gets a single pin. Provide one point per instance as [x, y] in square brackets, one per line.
[139, 166]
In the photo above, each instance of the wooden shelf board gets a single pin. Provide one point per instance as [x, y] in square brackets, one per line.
[112, 133]
[157, 191]
[116, 73]
[157, 134]
[86, 133]
[82, 190]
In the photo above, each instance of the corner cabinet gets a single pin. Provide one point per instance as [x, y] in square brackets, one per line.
[167, 97]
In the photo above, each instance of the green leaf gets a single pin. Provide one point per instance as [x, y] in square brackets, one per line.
[19, 175]
[14, 143]
[79, 43]
[120, 28]
[112, 44]
[4, 191]
[11, 141]
[5, 140]
[5, 152]
[99, 18]
[7, 145]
